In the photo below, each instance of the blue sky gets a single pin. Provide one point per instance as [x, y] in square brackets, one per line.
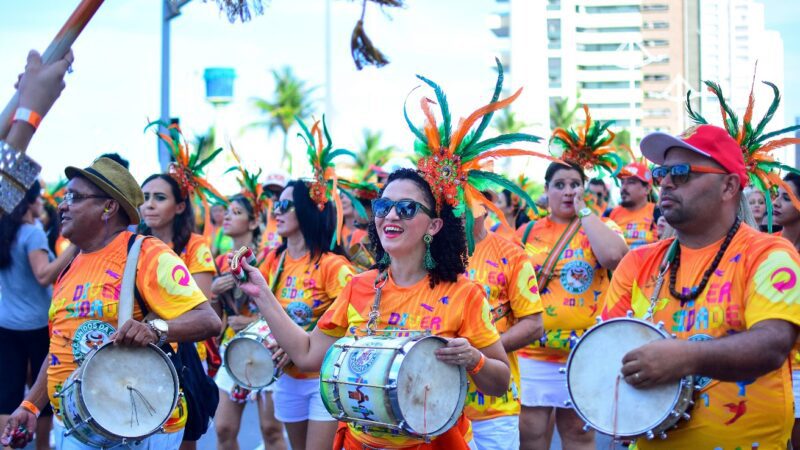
[115, 86]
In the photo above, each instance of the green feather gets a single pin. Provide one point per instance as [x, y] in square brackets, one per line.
[694, 115]
[778, 133]
[359, 208]
[210, 158]
[491, 143]
[776, 100]
[502, 182]
[340, 152]
[732, 124]
[469, 226]
[445, 108]
[487, 119]
[325, 159]
[414, 129]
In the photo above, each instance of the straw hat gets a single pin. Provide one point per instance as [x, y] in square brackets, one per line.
[114, 180]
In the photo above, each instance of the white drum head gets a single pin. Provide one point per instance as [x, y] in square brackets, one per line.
[592, 374]
[129, 391]
[249, 363]
[429, 391]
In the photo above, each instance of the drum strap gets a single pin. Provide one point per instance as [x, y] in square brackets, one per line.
[278, 274]
[126, 292]
[374, 314]
[662, 272]
[547, 270]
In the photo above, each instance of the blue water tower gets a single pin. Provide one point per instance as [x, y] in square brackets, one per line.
[219, 85]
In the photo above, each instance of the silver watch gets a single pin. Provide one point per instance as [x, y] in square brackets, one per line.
[586, 211]
[161, 329]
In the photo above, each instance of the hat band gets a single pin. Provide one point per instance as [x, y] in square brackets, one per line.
[102, 177]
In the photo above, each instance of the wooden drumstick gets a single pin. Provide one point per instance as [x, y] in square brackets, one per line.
[55, 51]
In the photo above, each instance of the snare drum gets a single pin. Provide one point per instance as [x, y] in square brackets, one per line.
[119, 395]
[603, 399]
[247, 358]
[393, 383]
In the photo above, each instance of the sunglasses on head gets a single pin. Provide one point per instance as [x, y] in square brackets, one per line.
[406, 208]
[680, 172]
[282, 206]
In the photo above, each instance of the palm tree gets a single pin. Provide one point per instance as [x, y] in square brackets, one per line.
[291, 99]
[507, 122]
[562, 115]
[372, 152]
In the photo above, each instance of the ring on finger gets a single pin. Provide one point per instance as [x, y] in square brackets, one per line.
[636, 376]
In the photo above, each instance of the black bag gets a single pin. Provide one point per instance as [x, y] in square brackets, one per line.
[200, 391]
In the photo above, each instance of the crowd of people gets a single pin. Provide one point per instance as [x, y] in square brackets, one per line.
[446, 248]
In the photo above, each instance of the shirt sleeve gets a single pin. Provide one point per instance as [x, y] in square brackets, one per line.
[772, 291]
[476, 324]
[33, 238]
[199, 256]
[334, 322]
[523, 289]
[164, 281]
[337, 274]
[617, 299]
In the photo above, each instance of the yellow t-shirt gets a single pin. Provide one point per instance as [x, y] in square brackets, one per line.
[83, 313]
[638, 226]
[505, 272]
[450, 310]
[572, 299]
[307, 289]
[756, 280]
[197, 255]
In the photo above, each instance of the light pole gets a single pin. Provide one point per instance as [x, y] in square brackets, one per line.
[170, 10]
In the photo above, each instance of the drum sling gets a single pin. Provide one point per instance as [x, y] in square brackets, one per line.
[546, 272]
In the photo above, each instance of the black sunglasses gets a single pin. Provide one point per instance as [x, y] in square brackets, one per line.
[680, 172]
[406, 208]
[282, 206]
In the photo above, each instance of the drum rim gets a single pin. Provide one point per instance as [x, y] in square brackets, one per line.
[175, 399]
[678, 393]
[276, 372]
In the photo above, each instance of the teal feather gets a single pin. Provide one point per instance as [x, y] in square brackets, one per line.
[486, 120]
[491, 143]
[415, 130]
[502, 182]
[469, 226]
[210, 158]
[359, 208]
[445, 108]
[340, 152]
[694, 115]
[732, 124]
[777, 133]
[776, 100]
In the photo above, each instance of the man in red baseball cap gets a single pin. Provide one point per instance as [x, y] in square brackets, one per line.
[635, 213]
[728, 293]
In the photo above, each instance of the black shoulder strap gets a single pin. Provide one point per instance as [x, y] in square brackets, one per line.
[136, 294]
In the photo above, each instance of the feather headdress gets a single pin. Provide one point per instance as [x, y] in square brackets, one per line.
[54, 193]
[357, 191]
[589, 146]
[757, 146]
[325, 184]
[187, 169]
[452, 160]
[252, 189]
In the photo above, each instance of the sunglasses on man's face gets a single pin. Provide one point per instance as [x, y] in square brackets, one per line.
[282, 206]
[405, 209]
[680, 172]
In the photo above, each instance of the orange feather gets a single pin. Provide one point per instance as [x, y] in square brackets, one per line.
[463, 127]
[778, 143]
[431, 128]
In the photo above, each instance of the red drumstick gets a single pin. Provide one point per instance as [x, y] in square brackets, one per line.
[55, 51]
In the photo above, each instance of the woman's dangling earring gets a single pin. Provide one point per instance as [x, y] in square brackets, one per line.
[429, 263]
[385, 260]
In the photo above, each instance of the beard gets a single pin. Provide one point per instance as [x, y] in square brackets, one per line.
[627, 204]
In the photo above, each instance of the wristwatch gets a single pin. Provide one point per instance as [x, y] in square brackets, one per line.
[586, 211]
[161, 329]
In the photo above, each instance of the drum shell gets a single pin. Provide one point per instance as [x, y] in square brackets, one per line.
[389, 362]
[77, 418]
[681, 391]
[257, 331]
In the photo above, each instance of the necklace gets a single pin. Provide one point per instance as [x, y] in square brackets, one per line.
[696, 291]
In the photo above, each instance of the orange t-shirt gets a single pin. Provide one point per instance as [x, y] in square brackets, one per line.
[197, 255]
[307, 289]
[572, 298]
[638, 227]
[61, 244]
[755, 281]
[450, 310]
[505, 272]
[83, 313]
[270, 239]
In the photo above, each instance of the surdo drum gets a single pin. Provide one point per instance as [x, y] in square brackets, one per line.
[247, 358]
[603, 399]
[119, 395]
[393, 383]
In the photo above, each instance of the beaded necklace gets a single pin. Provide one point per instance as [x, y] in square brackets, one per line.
[696, 291]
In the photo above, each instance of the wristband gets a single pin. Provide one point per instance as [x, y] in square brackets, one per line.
[29, 116]
[479, 366]
[30, 407]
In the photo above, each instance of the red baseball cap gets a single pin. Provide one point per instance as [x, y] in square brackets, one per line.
[707, 140]
[638, 170]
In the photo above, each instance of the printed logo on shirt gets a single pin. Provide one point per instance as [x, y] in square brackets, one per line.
[576, 277]
[300, 313]
[204, 255]
[174, 276]
[89, 336]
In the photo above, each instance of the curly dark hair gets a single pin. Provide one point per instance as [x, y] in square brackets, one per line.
[317, 227]
[183, 223]
[449, 246]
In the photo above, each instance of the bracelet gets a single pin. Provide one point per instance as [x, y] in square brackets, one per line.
[29, 116]
[30, 407]
[479, 366]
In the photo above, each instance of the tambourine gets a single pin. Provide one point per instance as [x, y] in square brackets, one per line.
[236, 267]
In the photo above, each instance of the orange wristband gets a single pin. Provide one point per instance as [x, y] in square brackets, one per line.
[30, 407]
[27, 115]
[478, 366]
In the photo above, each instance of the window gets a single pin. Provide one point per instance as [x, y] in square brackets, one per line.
[553, 5]
[656, 77]
[622, 123]
[658, 112]
[654, 95]
[609, 30]
[656, 25]
[655, 7]
[554, 34]
[601, 67]
[598, 47]
[656, 42]
[608, 84]
[612, 9]
[554, 72]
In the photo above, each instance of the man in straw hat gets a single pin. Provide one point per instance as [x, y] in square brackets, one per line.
[101, 201]
[728, 292]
